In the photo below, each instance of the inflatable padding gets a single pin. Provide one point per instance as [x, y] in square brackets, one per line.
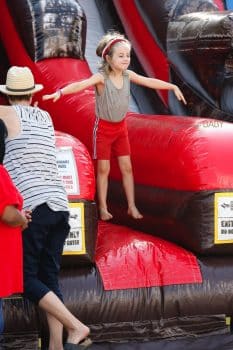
[199, 46]
[50, 28]
[141, 313]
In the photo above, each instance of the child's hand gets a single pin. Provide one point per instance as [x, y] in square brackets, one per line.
[179, 94]
[27, 217]
[55, 96]
[28, 214]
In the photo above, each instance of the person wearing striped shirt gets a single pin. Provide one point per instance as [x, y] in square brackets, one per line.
[30, 159]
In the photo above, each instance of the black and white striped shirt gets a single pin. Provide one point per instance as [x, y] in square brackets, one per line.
[31, 160]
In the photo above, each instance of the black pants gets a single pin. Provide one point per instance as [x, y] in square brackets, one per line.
[43, 242]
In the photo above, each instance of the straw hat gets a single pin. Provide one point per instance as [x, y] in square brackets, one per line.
[20, 81]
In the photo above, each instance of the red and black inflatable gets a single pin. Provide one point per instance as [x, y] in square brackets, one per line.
[132, 285]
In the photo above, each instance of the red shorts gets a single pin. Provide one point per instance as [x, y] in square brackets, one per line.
[109, 139]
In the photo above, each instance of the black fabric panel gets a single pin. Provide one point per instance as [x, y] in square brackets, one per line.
[156, 17]
[158, 14]
[197, 105]
[200, 47]
[214, 295]
[20, 315]
[185, 218]
[138, 314]
[57, 29]
[4, 66]
[22, 18]
[160, 306]
[198, 52]
[19, 341]
[215, 342]
[178, 327]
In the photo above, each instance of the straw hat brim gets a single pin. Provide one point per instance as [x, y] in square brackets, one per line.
[5, 90]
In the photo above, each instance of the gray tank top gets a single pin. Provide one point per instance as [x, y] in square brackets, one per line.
[112, 105]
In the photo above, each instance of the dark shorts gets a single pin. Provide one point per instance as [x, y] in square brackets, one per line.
[43, 243]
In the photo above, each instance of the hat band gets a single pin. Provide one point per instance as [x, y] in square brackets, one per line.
[20, 90]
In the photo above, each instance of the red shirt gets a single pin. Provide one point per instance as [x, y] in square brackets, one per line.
[11, 264]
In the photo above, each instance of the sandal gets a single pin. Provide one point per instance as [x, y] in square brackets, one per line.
[84, 344]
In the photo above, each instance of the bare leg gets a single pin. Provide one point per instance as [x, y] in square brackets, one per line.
[55, 333]
[53, 306]
[103, 168]
[128, 184]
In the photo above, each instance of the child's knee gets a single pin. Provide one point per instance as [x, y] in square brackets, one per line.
[126, 169]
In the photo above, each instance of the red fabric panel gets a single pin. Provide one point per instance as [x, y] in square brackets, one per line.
[182, 153]
[85, 170]
[11, 40]
[131, 259]
[220, 4]
[73, 114]
[149, 53]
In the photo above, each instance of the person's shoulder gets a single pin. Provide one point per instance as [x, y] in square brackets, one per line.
[42, 113]
[132, 75]
[6, 109]
[41, 110]
[7, 113]
[127, 75]
[128, 72]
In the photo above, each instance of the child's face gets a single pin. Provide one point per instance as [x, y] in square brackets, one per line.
[120, 59]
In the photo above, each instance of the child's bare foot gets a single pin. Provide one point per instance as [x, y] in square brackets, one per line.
[133, 211]
[104, 214]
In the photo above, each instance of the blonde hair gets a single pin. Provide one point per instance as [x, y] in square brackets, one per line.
[103, 43]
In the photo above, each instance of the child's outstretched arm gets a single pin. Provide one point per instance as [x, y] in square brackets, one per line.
[75, 87]
[156, 84]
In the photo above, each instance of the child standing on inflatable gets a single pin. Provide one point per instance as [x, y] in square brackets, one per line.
[110, 135]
